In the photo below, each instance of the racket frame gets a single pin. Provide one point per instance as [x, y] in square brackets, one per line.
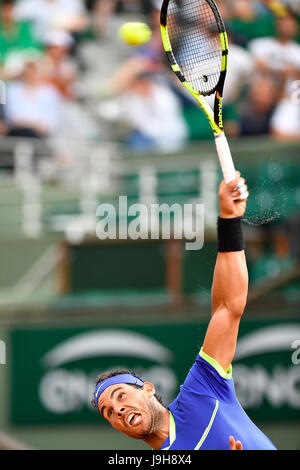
[215, 116]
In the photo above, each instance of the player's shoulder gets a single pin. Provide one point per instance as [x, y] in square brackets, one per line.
[207, 378]
[214, 366]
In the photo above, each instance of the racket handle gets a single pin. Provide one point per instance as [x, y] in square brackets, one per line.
[225, 157]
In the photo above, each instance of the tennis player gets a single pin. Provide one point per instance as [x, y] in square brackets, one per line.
[206, 413]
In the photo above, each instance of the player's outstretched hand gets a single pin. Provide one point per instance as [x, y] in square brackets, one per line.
[235, 445]
[233, 197]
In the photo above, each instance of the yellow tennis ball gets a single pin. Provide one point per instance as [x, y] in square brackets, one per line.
[135, 34]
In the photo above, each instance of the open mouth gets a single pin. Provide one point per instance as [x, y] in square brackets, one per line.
[133, 419]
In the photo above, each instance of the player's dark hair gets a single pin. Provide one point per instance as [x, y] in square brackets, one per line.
[113, 373]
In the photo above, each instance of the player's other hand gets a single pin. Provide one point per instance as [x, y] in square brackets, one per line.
[233, 197]
[235, 445]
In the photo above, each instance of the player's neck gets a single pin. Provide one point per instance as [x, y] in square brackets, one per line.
[160, 434]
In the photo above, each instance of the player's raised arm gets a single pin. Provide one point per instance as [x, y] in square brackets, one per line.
[230, 282]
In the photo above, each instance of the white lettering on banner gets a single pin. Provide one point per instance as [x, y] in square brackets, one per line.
[254, 385]
[267, 340]
[62, 391]
[106, 342]
[296, 354]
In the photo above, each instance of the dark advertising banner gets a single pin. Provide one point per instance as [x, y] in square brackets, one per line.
[54, 370]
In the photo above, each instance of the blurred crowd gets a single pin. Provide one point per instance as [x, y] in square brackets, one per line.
[68, 74]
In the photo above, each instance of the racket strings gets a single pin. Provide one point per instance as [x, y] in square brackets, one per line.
[194, 36]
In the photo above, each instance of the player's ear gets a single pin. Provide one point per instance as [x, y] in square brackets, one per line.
[149, 388]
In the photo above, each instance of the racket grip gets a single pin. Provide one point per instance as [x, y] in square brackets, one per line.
[225, 157]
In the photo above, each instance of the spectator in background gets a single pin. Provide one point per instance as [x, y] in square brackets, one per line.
[248, 19]
[285, 123]
[257, 110]
[146, 105]
[282, 53]
[57, 67]
[154, 115]
[68, 15]
[32, 107]
[15, 38]
[281, 57]
[102, 13]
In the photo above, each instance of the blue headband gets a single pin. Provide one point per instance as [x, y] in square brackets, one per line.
[117, 379]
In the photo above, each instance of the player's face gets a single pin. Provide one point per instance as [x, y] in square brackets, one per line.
[128, 409]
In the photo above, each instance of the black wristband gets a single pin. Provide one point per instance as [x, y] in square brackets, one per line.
[230, 235]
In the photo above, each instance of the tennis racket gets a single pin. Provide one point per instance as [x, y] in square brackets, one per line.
[196, 44]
